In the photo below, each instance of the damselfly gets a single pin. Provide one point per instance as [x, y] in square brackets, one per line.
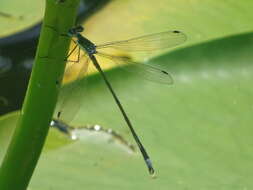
[145, 43]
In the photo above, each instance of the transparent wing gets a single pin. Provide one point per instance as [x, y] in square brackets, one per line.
[148, 42]
[149, 72]
[71, 95]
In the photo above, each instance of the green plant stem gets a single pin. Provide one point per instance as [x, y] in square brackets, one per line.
[31, 130]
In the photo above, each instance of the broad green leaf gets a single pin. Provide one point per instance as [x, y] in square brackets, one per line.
[198, 131]
[16, 16]
[199, 20]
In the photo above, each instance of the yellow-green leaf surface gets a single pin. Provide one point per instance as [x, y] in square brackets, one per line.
[198, 130]
[16, 16]
[200, 20]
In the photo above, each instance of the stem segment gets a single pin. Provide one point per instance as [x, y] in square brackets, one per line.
[31, 130]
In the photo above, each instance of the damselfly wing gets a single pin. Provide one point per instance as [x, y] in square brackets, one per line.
[146, 43]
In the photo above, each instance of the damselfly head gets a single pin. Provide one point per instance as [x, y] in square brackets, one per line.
[79, 28]
[73, 31]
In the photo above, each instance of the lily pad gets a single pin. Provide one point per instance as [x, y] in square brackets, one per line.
[198, 131]
[16, 16]
[200, 20]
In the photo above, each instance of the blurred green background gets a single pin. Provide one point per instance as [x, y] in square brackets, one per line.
[198, 131]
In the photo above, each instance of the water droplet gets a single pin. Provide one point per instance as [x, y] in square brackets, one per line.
[28, 64]
[93, 133]
[97, 127]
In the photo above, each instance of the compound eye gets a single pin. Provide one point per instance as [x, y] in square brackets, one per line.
[79, 29]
